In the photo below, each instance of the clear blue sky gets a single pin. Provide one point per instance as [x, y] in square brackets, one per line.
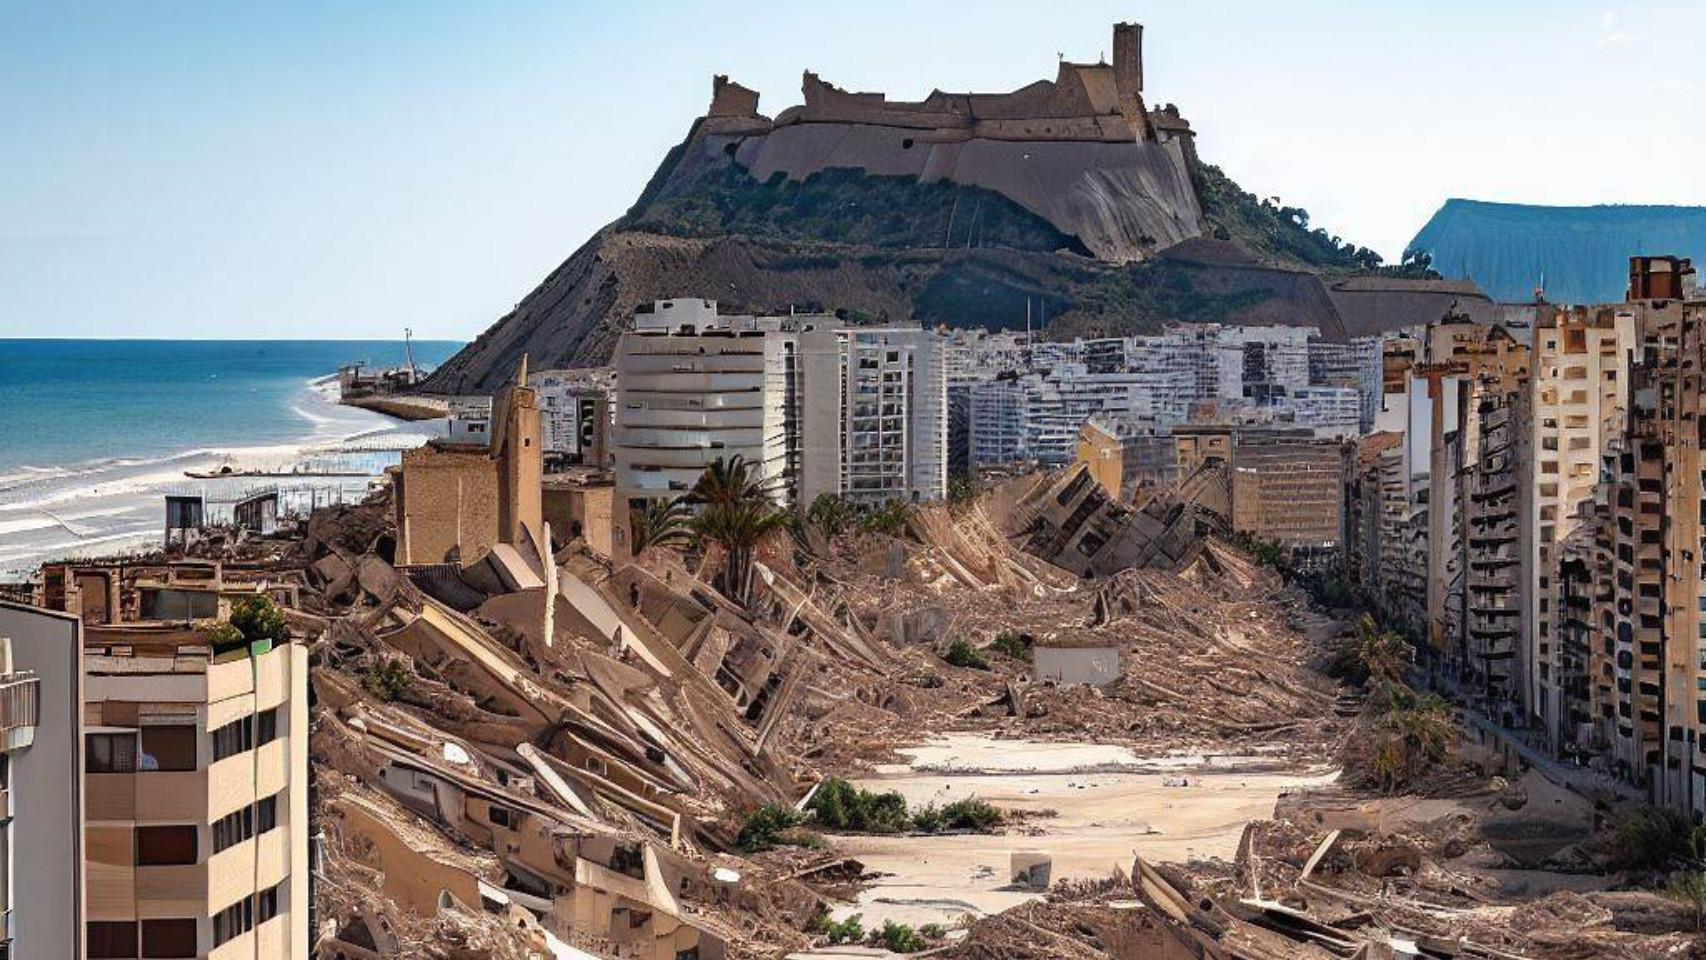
[302, 169]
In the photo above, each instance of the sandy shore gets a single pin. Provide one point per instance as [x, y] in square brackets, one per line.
[117, 506]
[1106, 802]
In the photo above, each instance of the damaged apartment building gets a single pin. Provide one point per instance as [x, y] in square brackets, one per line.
[811, 405]
[1531, 505]
[183, 765]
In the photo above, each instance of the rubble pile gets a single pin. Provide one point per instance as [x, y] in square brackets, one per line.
[575, 745]
[532, 754]
[1199, 632]
[1341, 874]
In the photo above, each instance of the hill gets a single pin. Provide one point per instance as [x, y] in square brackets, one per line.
[1579, 254]
[959, 209]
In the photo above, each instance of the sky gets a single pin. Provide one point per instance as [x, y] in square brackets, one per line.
[348, 169]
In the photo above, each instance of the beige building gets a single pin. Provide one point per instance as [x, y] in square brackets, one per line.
[41, 784]
[1289, 490]
[194, 765]
[1575, 404]
[454, 501]
[1103, 454]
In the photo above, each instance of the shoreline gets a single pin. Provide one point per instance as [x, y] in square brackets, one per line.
[114, 506]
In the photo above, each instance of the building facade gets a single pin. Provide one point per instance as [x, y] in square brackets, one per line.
[41, 784]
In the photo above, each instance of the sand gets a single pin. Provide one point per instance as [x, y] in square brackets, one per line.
[1108, 804]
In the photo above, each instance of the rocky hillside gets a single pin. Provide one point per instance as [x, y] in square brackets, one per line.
[1578, 254]
[908, 219]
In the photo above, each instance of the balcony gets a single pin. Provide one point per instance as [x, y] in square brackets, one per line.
[20, 707]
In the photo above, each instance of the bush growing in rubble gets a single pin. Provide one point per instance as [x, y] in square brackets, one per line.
[258, 618]
[1651, 837]
[850, 930]
[839, 805]
[897, 938]
[388, 681]
[769, 826]
[1014, 645]
[831, 514]
[1689, 889]
[1405, 734]
[977, 816]
[962, 654]
[890, 518]
[970, 814]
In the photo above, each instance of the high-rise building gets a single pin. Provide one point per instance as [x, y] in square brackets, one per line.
[874, 425]
[694, 386]
[41, 785]
[1575, 405]
[194, 765]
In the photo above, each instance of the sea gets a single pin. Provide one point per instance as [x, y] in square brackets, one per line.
[97, 432]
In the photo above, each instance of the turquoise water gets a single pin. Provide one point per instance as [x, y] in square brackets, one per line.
[80, 402]
[97, 432]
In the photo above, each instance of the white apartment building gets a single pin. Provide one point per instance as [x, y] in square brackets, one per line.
[573, 411]
[815, 406]
[1355, 364]
[875, 414]
[41, 784]
[694, 386]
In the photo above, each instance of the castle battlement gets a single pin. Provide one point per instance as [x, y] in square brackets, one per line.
[1098, 102]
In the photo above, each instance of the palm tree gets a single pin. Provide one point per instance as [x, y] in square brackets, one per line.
[736, 513]
[729, 481]
[661, 523]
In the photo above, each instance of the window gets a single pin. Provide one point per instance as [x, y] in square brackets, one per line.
[109, 753]
[499, 816]
[165, 846]
[233, 738]
[234, 921]
[109, 938]
[167, 748]
[266, 814]
[168, 938]
[266, 904]
[233, 828]
[266, 727]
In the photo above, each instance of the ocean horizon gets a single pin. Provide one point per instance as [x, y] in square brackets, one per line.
[98, 431]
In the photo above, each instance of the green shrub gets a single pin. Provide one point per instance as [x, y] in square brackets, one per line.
[767, 827]
[897, 938]
[962, 654]
[849, 930]
[927, 819]
[1648, 838]
[226, 637]
[1016, 646]
[1689, 889]
[388, 681]
[890, 518]
[839, 805]
[970, 814]
[933, 931]
[258, 618]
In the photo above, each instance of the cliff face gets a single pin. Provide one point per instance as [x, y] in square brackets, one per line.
[1579, 254]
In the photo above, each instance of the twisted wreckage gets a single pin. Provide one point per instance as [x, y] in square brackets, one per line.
[542, 753]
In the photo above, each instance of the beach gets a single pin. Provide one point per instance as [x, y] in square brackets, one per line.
[115, 505]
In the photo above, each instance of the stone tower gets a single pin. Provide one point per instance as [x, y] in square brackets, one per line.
[1128, 77]
[1128, 59]
[521, 465]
